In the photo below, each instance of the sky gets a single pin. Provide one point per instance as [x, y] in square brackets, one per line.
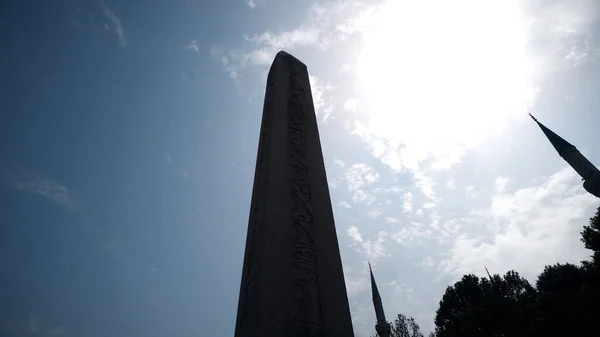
[129, 131]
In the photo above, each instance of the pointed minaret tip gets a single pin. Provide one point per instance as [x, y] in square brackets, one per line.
[535, 119]
[557, 142]
[369, 265]
[488, 272]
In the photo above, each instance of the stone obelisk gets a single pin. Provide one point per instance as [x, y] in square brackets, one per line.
[292, 278]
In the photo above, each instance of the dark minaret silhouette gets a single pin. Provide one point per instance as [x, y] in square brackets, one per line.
[588, 172]
[382, 327]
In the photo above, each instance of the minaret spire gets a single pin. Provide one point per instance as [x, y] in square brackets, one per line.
[588, 172]
[383, 327]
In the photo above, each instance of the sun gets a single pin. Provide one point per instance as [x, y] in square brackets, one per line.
[442, 75]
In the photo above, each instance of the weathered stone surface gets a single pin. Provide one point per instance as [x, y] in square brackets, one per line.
[292, 278]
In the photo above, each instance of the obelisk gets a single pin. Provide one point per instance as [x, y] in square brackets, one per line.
[292, 278]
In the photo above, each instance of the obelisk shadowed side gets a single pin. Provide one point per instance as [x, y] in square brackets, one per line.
[292, 278]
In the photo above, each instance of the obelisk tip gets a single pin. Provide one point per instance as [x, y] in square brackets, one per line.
[285, 55]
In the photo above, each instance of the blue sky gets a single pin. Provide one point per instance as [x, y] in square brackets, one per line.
[129, 133]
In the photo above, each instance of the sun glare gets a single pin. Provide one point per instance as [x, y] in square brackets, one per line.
[439, 76]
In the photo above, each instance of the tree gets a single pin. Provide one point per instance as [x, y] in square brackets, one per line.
[494, 306]
[404, 327]
[590, 236]
[567, 304]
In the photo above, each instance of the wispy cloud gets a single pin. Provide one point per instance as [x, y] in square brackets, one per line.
[193, 45]
[407, 206]
[231, 62]
[339, 162]
[31, 326]
[371, 249]
[500, 184]
[525, 229]
[320, 93]
[324, 24]
[360, 175]
[39, 183]
[115, 23]
[250, 3]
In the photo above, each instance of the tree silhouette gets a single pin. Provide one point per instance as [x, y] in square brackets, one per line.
[564, 301]
[567, 303]
[590, 236]
[404, 327]
[494, 306]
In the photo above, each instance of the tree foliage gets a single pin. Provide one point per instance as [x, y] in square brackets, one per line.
[564, 301]
[404, 327]
[590, 236]
[481, 307]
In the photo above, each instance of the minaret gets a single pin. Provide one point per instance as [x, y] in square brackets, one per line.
[588, 172]
[382, 327]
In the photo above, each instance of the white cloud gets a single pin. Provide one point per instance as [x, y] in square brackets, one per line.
[451, 184]
[250, 3]
[39, 183]
[339, 162]
[31, 326]
[115, 23]
[412, 234]
[231, 62]
[193, 45]
[360, 175]
[371, 249]
[500, 184]
[428, 205]
[425, 184]
[375, 212]
[564, 31]
[351, 105]
[321, 91]
[407, 206]
[428, 263]
[471, 191]
[391, 220]
[345, 204]
[526, 230]
[356, 284]
[324, 24]
[360, 196]
[375, 249]
[354, 234]
[268, 44]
